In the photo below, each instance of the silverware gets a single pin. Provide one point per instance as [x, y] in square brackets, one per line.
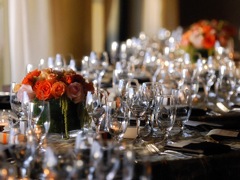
[154, 150]
[221, 106]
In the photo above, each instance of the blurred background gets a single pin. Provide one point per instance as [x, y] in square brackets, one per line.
[31, 30]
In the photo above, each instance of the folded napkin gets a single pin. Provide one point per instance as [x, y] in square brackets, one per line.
[206, 148]
[222, 134]
[229, 120]
[201, 126]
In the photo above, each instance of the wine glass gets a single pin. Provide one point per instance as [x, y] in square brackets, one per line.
[183, 110]
[124, 84]
[39, 120]
[151, 89]
[117, 119]
[226, 82]
[207, 76]
[15, 102]
[108, 163]
[22, 149]
[96, 103]
[138, 104]
[165, 114]
[98, 66]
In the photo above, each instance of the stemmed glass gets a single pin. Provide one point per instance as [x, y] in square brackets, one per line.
[96, 104]
[108, 162]
[21, 148]
[183, 109]
[207, 76]
[15, 102]
[98, 66]
[39, 120]
[117, 119]
[151, 89]
[137, 103]
[165, 114]
[226, 83]
[123, 85]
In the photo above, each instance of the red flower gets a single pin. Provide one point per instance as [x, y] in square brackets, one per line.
[31, 76]
[204, 34]
[49, 83]
[58, 89]
[43, 90]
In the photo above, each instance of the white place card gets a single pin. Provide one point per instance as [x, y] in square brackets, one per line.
[130, 133]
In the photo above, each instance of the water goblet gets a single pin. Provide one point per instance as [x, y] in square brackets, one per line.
[98, 66]
[207, 76]
[39, 120]
[226, 84]
[117, 119]
[15, 102]
[96, 104]
[21, 148]
[137, 103]
[151, 89]
[183, 110]
[124, 84]
[165, 114]
[108, 162]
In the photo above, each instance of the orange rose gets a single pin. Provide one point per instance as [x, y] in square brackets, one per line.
[43, 90]
[58, 89]
[75, 92]
[30, 77]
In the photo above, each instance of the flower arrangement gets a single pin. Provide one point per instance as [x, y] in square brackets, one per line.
[65, 89]
[202, 36]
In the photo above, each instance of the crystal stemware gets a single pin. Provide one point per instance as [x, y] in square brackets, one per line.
[226, 84]
[207, 76]
[39, 120]
[165, 114]
[183, 110]
[117, 119]
[15, 102]
[21, 148]
[151, 89]
[96, 104]
[98, 66]
[137, 103]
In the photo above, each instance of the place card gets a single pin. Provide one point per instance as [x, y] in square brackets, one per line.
[131, 132]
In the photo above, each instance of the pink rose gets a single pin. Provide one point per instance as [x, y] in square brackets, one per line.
[75, 92]
[28, 89]
[196, 39]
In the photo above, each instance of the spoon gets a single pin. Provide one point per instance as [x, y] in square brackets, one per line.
[221, 106]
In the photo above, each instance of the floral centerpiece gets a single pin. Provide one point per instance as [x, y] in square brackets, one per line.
[201, 36]
[65, 90]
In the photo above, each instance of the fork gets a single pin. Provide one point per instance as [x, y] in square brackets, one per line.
[153, 149]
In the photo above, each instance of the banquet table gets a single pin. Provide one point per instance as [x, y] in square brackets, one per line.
[153, 165]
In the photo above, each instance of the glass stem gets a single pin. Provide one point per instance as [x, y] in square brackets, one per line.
[138, 127]
[206, 91]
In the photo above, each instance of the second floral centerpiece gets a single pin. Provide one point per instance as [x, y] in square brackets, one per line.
[65, 90]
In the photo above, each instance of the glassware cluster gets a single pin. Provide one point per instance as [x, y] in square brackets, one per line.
[154, 88]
